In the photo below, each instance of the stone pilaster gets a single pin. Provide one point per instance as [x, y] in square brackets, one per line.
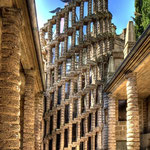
[111, 123]
[38, 120]
[57, 25]
[105, 123]
[29, 111]
[42, 40]
[81, 10]
[133, 133]
[10, 78]
[50, 32]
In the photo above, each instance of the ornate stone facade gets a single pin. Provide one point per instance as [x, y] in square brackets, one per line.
[79, 49]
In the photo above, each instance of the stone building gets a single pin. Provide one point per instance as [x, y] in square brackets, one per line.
[21, 77]
[128, 96]
[81, 51]
[96, 93]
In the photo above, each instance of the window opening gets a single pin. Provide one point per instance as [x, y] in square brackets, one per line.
[61, 48]
[82, 127]
[51, 125]
[68, 65]
[67, 90]
[74, 132]
[70, 19]
[75, 108]
[66, 114]
[85, 9]
[62, 20]
[59, 95]
[58, 136]
[89, 122]
[122, 110]
[66, 138]
[69, 42]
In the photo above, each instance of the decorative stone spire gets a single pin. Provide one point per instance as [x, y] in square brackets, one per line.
[130, 38]
[111, 68]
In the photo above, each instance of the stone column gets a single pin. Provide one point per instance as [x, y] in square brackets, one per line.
[29, 111]
[133, 137]
[10, 23]
[111, 123]
[38, 120]
[105, 123]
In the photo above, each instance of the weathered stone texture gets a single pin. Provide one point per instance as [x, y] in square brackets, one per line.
[133, 136]
[29, 111]
[10, 79]
[112, 123]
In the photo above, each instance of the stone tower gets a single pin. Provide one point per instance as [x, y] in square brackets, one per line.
[77, 44]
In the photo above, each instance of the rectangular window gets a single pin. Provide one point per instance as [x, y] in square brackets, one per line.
[96, 139]
[61, 48]
[58, 119]
[92, 6]
[82, 104]
[82, 146]
[62, 20]
[75, 87]
[84, 32]
[74, 132]
[51, 125]
[68, 65]
[82, 127]
[77, 37]
[76, 60]
[67, 90]
[59, 95]
[89, 122]
[59, 71]
[77, 13]
[54, 32]
[90, 76]
[92, 29]
[69, 42]
[73, 148]
[122, 104]
[58, 138]
[66, 114]
[84, 57]
[66, 138]
[89, 143]
[83, 81]
[75, 108]
[96, 118]
[53, 55]
[51, 144]
[85, 9]
[70, 19]
[106, 116]
[51, 100]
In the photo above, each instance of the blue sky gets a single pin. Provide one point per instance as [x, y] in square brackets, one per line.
[122, 11]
